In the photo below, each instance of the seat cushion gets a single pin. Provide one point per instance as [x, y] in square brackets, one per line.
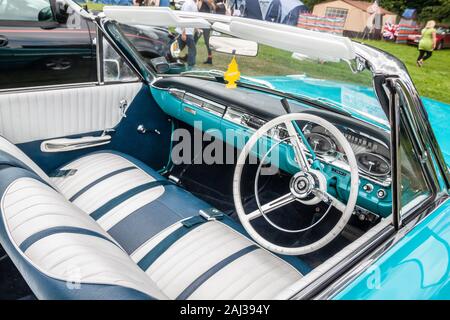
[144, 220]
[213, 261]
[61, 252]
[117, 229]
[128, 199]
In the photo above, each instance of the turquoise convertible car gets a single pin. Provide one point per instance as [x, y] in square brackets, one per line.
[300, 165]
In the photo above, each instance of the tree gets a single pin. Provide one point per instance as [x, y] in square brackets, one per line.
[439, 12]
[311, 3]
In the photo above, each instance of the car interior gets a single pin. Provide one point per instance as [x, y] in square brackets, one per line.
[94, 207]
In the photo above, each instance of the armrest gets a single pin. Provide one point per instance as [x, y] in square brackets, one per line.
[67, 144]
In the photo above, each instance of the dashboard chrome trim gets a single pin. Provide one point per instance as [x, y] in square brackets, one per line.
[199, 102]
[376, 156]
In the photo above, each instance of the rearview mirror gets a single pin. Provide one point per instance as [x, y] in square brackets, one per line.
[233, 46]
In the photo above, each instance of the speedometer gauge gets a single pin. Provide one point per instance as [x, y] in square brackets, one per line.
[321, 144]
[373, 164]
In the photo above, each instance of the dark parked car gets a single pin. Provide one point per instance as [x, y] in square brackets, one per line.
[442, 38]
[43, 44]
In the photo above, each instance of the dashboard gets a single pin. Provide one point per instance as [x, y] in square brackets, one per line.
[244, 111]
[372, 155]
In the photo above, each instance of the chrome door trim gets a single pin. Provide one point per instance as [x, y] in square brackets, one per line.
[101, 22]
[49, 87]
[394, 119]
[99, 53]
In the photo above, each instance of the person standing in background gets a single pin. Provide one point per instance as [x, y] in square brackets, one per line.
[148, 3]
[427, 42]
[220, 7]
[207, 6]
[152, 3]
[186, 37]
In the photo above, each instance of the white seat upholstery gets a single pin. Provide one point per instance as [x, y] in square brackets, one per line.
[256, 274]
[126, 233]
[63, 243]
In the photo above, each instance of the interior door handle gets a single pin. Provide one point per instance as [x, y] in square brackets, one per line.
[3, 41]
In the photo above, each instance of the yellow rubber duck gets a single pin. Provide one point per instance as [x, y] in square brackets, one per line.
[232, 75]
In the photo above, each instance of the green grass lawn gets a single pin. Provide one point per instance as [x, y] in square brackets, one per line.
[95, 6]
[433, 79]
[273, 62]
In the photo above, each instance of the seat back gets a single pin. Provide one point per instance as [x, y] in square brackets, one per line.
[60, 250]
[12, 151]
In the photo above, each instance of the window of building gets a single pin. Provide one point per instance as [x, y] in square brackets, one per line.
[336, 12]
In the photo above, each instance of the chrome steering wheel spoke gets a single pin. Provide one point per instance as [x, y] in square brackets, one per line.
[271, 206]
[299, 152]
[329, 199]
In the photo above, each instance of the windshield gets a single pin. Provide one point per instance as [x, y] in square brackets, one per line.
[328, 80]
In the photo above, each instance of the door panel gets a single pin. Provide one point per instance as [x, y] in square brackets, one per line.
[39, 115]
[88, 111]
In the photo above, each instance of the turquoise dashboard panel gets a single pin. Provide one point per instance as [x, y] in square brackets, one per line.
[338, 180]
[417, 267]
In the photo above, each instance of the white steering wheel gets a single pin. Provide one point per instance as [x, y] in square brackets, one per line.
[308, 186]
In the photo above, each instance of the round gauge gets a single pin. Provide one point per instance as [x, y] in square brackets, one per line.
[373, 164]
[321, 144]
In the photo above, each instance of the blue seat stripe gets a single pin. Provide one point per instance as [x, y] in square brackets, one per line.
[28, 242]
[90, 185]
[108, 206]
[213, 270]
[9, 160]
[165, 244]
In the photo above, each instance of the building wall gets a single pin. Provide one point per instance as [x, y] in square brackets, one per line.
[356, 18]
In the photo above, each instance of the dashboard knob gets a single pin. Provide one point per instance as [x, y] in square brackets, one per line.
[368, 187]
[381, 194]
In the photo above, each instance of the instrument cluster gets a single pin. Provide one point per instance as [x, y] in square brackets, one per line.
[371, 155]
